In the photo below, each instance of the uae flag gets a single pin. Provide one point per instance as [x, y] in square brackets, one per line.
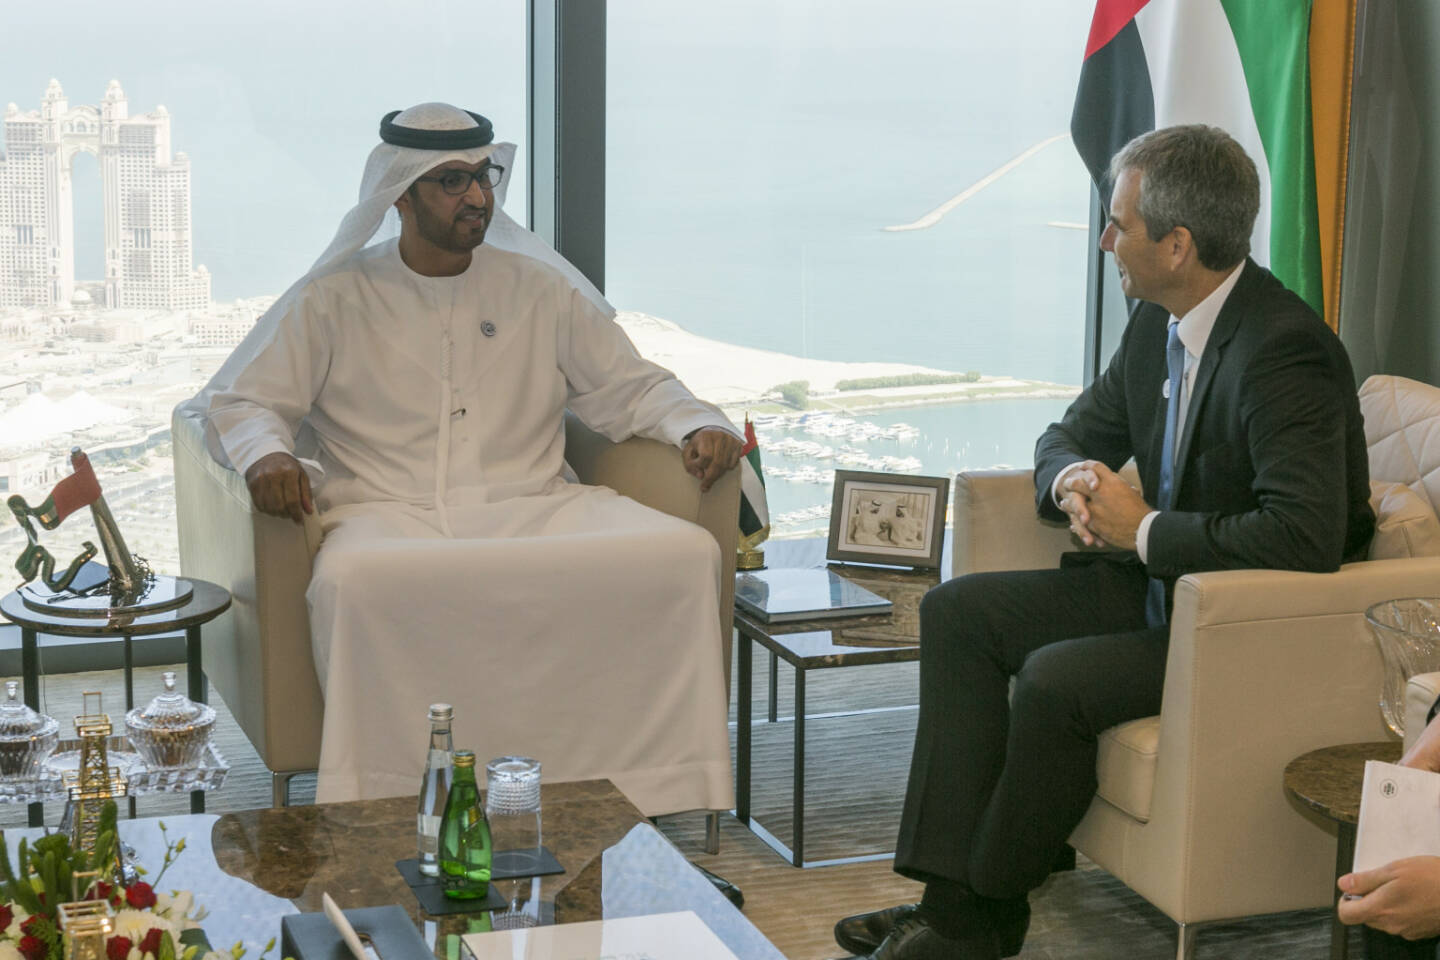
[754, 511]
[1274, 74]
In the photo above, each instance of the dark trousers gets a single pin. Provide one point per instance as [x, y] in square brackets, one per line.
[998, 782]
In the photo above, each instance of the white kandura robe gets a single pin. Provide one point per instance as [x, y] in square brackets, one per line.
[564, 622]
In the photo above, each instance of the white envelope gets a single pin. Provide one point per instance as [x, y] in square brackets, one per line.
[1399, 815]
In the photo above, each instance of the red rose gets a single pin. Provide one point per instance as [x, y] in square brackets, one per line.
[7, 917]
[101, 891]
[29, 925]
[118, 948]
[32, 947]
[151, 943]
[140, 895]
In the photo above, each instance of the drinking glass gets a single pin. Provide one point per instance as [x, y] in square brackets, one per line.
[1408, 634]
[512, 804]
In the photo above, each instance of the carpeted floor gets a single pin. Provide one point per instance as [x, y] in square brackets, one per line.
[855, 780]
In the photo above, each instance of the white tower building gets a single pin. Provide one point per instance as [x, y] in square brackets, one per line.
[145, 190]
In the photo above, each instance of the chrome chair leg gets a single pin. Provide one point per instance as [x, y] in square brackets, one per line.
[280, 787]
[712, 832]
[1185, 948]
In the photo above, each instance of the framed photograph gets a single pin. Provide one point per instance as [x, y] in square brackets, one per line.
[888, 518]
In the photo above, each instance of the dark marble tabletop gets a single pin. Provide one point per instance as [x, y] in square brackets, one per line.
[206, 603]
[1328, 780]
[250, 868]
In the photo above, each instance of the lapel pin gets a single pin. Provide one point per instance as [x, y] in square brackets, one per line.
[1165, 389]
[487, 328]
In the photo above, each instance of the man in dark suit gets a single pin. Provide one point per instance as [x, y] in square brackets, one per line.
[1239, 407]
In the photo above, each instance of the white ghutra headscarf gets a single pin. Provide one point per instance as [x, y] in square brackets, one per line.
[390, 170]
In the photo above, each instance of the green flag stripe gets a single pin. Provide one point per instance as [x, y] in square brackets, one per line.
[1273, 39]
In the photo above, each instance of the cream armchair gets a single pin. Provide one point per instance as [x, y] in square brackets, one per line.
[258, 654]
[1263, 666]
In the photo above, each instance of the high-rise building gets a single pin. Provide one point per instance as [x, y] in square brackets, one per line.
[145, 190]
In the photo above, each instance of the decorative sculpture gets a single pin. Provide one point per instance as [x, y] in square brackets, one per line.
[95, 782]
[124, 585]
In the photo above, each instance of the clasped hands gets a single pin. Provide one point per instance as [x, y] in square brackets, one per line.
[1103, 508]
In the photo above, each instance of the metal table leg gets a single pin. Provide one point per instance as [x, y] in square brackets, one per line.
[129, 664]
[1344, 858]
[742, 729]
[198, 691]
[798, 850]
[30, 688]
[774, 685]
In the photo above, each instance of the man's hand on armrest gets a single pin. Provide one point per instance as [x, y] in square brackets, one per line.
[708, 453]
[279, 486]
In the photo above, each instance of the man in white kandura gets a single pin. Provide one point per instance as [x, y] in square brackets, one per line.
[420, 385]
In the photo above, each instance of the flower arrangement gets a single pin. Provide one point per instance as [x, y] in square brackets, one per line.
[148, 925]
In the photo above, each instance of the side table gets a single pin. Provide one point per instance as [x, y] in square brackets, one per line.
[206, 603]
[1328, 781]
[815, 645]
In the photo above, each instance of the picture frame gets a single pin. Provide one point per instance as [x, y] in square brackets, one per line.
[888, 518]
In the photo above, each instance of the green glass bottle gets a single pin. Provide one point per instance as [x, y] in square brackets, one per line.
[464, 835]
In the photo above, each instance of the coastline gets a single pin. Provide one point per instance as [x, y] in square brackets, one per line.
[740, 379]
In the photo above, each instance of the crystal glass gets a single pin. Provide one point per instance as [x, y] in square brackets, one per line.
[27, 738]
[512, 805]
[1408, 633]
[173, 730]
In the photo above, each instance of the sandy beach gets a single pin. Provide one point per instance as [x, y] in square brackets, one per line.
[734, 376]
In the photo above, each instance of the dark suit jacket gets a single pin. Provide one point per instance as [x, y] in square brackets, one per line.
[1271, 466]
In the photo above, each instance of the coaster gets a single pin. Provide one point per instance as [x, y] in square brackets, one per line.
[518, 864]
[430, 893]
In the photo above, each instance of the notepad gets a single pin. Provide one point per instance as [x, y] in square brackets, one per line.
[664, 936]
[779, 596]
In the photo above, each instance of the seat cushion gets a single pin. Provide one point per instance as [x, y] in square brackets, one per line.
[1405, 526]
[1125, 765]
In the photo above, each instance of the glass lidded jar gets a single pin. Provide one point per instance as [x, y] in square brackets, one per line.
[1407, 631]
[173, 730]
[27, 738]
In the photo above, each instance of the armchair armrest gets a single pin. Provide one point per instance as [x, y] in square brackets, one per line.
[258, 653]
[1420, 693]
[653, 473]
[996, 527]
[1262, 667]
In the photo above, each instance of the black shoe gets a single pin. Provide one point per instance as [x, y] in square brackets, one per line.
[1012, 922]
[732, 892]
[863, 932]
[912, 938]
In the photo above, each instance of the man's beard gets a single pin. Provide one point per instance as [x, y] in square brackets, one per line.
[447, 234]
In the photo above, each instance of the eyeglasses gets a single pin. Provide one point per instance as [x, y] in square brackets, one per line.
[456, 182]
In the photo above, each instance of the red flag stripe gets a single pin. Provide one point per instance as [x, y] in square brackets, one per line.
[1110, 18]
[750, 442]
[78, 490]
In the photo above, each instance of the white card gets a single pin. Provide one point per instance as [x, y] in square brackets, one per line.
[1399, 815]
[665, 936]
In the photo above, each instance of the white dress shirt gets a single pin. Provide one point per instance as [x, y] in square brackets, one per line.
[1194, 331]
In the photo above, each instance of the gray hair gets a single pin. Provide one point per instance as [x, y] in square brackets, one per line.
[1199, 178]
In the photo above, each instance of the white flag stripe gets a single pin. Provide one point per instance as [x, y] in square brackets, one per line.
[1197, 77]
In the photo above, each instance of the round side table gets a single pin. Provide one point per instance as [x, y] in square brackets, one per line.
[207, 601]
[1328, 781]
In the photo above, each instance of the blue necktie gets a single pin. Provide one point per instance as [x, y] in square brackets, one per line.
[1175, 364]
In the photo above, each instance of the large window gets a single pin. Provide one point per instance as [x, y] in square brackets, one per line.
[275, 106]
[859, 184]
